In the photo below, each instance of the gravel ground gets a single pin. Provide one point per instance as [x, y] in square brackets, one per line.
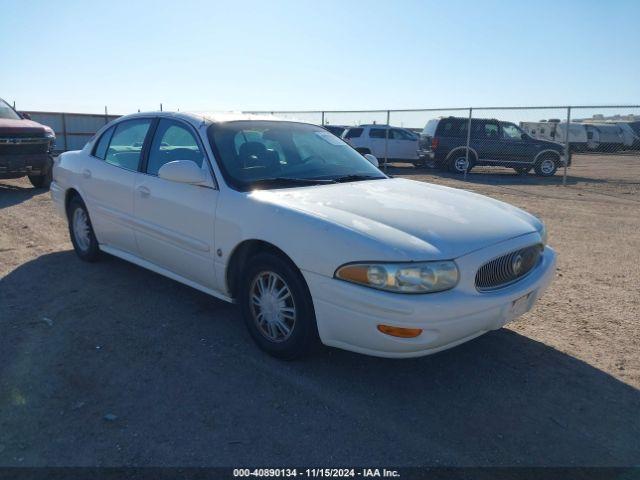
[109, 364]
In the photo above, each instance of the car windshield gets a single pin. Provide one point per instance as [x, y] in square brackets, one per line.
[7, 112]
[275, 154]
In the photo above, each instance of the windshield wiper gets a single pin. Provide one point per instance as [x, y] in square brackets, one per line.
[356, 178]
[293, 180]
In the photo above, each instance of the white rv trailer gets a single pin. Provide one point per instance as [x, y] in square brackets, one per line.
[584, 136]
[555, 131]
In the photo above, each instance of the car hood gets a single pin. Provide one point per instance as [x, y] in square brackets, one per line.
[550, 144]
[9, 126]
[434, 221]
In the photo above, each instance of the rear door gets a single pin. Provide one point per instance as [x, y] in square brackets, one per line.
[485, 135]
[376, 143]
[108, 180]
[175, 221]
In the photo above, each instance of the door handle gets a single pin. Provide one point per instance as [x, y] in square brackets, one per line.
[86, 173]
[143, 191]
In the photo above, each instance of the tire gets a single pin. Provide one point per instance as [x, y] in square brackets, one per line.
[42, 181]
[522, 170]
[458, 162]
[547, 166]
[83, 238]
[287, 336]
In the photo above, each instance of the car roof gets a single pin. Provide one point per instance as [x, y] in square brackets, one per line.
[197, 118]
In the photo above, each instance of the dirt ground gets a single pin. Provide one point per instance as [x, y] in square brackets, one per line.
[109, 364]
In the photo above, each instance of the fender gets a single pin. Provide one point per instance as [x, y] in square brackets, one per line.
[535, 159]
[471, 149]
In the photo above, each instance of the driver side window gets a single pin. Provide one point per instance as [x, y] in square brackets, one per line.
[172, 141]
[511, 132]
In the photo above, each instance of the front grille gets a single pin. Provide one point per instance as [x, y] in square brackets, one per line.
[23, 146]
[508, 268]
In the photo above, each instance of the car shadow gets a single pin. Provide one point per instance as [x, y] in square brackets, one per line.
[11, 194]
[110, 364]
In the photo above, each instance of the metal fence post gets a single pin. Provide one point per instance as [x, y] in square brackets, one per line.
[323, 118]
[160, 107]
[64, 131]
[106, 115]
[468, 143]
[386, 140]
[567, 147]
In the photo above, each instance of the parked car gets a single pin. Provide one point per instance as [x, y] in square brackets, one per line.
[444, 142]
[310, 239]
[337, 130]
[402, 144]
[25, 147]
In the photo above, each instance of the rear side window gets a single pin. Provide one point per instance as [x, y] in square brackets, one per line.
[454, 127]
[353, 133]
[126, 144]
[100, 150]
[377, 133]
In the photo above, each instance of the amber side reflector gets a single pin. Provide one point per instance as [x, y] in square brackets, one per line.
[399, 331]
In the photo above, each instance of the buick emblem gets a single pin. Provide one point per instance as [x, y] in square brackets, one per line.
[516, 264]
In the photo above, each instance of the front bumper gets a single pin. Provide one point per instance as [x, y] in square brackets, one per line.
[14, 166]
[347, 314]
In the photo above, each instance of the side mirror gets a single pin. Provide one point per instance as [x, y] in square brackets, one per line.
[25, 115]
[372, 160]
[182, 171]
[524, 136]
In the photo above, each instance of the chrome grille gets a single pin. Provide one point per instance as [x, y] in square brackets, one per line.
[508, 268]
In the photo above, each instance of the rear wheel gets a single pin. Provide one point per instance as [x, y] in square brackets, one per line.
[460, 163]
[277, 308]
[81, 231]
[547, 166]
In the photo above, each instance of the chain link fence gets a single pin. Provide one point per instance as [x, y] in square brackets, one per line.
[552, 144]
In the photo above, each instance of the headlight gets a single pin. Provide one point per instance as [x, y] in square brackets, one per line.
[424, 277]
[543, 234]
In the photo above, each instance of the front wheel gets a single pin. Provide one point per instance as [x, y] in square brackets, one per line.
[44, 180]
[546, 167]
[277, 308]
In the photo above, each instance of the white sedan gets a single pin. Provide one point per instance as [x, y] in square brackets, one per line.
[310, 239]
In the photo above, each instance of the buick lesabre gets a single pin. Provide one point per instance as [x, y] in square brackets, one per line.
[308, 237]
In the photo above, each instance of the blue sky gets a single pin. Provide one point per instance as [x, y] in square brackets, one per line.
[239, 55]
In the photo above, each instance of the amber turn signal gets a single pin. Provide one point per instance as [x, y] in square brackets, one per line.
[399, 331]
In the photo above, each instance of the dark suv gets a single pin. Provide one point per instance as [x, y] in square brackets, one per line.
[25, 147]
[492, 142]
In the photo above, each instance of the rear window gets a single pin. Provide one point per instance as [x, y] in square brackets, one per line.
[353, 133]
[430, 128]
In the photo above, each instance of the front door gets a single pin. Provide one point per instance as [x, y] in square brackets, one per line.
[405, 145]
[516, 148]
[175, 221]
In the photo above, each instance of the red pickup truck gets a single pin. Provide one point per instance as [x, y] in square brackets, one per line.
[25, 147]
